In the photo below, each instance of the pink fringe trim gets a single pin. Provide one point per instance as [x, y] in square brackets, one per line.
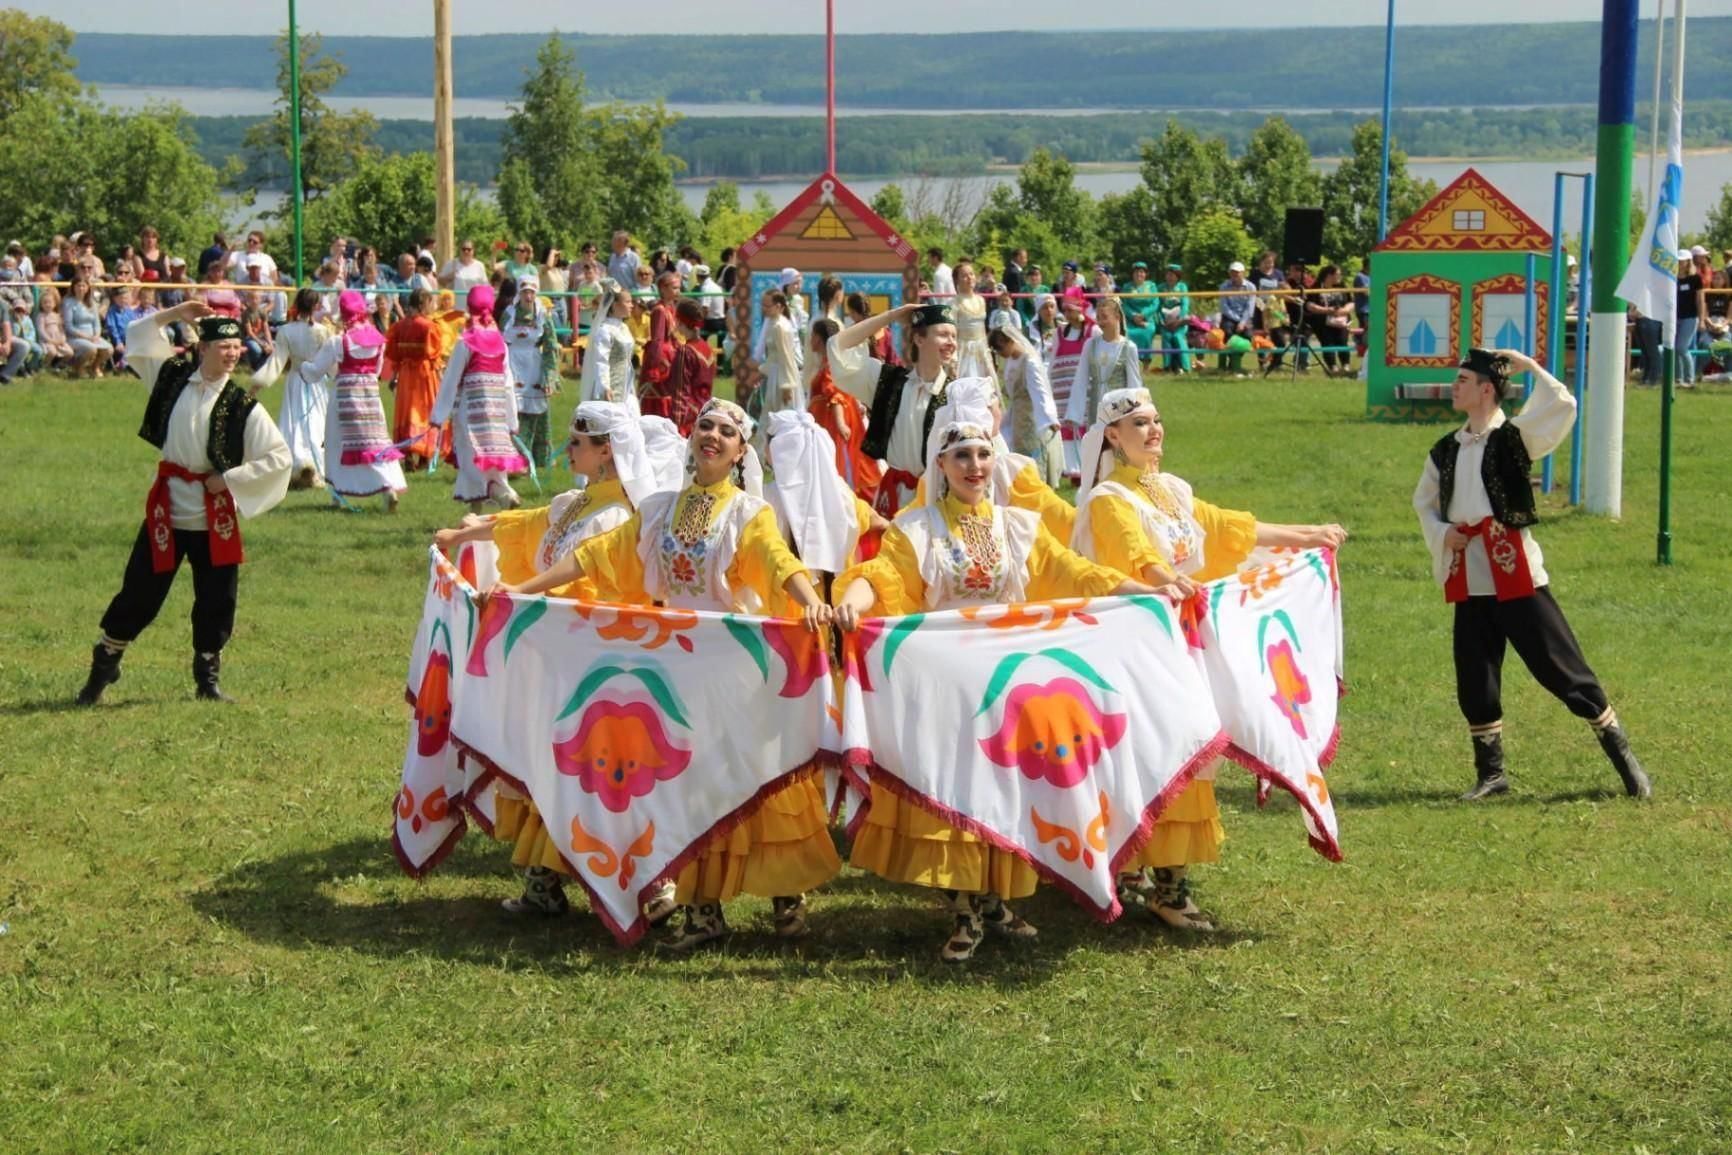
[502, 463]
[371, 456]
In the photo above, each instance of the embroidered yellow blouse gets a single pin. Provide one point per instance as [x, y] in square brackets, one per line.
[1054, 571]
[1028, 491]
[762, 561]
[519, 532]
[1229, 535]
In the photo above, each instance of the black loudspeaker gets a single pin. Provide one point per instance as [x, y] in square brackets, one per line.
[1303, 238]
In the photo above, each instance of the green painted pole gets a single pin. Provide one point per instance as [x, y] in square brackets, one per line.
[295, 137]
[1663, 540]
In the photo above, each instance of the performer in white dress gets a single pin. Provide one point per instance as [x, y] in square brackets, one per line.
[302, 415]
[524, 321]
[973, 356]
[784, 387]
[477, 397]
[360, 458]
[1108, 362]
[1034, 425]
[607, 369]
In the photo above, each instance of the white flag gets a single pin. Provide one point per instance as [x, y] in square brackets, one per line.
[1651, 281]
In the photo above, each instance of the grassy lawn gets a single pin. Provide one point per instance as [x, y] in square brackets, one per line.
[208, 944]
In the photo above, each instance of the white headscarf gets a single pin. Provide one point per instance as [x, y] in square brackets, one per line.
[1116, 405]
[976, 397]
[751, 469]
[969, 427]
[610, 293]
[631, 462]
[816, 501]
[666, 449]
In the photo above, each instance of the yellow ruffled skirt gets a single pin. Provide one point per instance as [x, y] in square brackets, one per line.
[903, 843]
[783, 849]
[1188, 832]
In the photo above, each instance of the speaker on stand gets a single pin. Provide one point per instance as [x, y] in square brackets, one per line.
[1302, 240]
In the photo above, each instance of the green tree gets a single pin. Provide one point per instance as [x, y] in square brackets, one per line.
[549, 189]
[1046, 188]
[389, 202]
[1350, 195]
[1212, 242]
[1276, 174]
[333, 144]
[35, 57]
[1184, 174]
[627, 143]
[77, 165]
[889, 203]
[1126, 221]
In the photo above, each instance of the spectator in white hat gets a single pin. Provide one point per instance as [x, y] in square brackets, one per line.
[1236, 310]
[1692, 311]
[791, 282]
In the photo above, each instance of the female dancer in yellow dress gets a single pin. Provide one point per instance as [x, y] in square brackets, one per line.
[715, 546]
[607, 448]
[1016, 480]
[981, 553]
[1143, 523]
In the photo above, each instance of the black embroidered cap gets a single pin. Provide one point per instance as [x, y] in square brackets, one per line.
[928, 315]
[1491, 365]
[218, 329]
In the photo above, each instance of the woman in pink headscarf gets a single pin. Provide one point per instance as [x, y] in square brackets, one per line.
[478, 396]
[360, 458]
[1073, 335]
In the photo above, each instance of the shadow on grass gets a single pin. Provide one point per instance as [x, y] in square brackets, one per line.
[860, 925]
[64, 704]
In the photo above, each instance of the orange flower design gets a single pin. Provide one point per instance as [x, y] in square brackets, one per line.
[1042, 615]
[619, 752]
[1292, 688]
[683, 570]
[1053, 731]
[1257, 581]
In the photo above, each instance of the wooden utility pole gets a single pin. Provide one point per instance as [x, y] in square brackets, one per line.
[445, 195]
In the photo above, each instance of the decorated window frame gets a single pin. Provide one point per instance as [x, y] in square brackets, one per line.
[1449, 353]
[1511, 285]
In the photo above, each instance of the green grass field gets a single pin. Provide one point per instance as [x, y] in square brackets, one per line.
[207, 945]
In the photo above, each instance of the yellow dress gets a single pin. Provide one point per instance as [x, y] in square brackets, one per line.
[783, 847]
[1189, 830]
[903, 842]
[1028, 491]
[521, 536]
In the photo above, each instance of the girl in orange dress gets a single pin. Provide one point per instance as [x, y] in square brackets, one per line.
[412, 350]
[841, 415]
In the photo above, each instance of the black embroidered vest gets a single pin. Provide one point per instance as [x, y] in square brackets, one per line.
[226, 445]
[1505, 469]
[886, 404]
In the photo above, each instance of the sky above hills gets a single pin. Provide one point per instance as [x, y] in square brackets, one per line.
[414, 17]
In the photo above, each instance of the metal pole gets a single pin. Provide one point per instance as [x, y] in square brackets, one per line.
[1555, 318]
[1659, 68]
[830, 87]
[1530, 343]
[1614, 154]
[1579, 385]
[295, 190]
[1388, 101]
[1663, 539]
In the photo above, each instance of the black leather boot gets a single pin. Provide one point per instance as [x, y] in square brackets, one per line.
[1617, 747]
[1488, 764]
[205, 671]
[104, 672]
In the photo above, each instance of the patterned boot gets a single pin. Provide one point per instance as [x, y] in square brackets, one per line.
[543, 893]
[999, 918]
[104, 672]
[661, 905]
[1487, 762]
[970, 928]
[1616, 744]
[1136, 888]
[205, 671]
[704, 923]
[789, 914]
[1172, 903]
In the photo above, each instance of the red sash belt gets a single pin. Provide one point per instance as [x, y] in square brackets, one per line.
[1510, 576]
[221, 523]
[888, 503]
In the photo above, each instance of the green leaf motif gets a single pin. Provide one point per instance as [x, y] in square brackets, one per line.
[648, 675]
[1286, 624]
[1008, 666]
[1216, 592]
[528, 613]
[752, 642]
[899, 634]
[1315, 560]
[1155, 606]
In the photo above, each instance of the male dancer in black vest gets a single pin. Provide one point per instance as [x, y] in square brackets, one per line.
[1476, 507]
[222, 458]
[900, 399]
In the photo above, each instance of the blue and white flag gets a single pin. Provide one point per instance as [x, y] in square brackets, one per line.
[1651, 281]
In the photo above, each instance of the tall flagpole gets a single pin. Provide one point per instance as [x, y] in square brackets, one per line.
[444, 161]
[830, 86]
[1388, 101]
[1659, 73]
[1608, 349]
[1663, 538]
[295, 138]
